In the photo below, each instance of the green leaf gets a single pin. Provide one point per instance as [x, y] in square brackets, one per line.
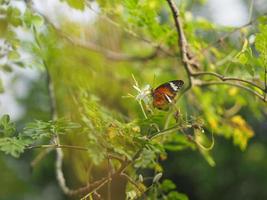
[7, 128]
[77, 4]
[13, 55]
[3, 27]
[146, 158]
[176, 196]
[13, 16]
[167, 185]
[261, 43]
[7, 68]
[263, 19]
[40, 129]
[13, 146]
[37, 20]
[32, 19]
[178, 142]
[1, 87]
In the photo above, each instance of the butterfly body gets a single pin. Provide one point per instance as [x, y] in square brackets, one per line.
[164, 94]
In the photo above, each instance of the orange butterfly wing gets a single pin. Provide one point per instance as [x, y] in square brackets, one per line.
[166, 92]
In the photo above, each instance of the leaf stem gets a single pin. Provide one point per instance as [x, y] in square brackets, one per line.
[168, 130]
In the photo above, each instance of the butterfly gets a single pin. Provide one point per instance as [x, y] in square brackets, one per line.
[164, 94]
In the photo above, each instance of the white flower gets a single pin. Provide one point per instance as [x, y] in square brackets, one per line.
[143, 94]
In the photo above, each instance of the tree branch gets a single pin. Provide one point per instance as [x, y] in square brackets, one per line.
[186, 60]
[109, 54]
[132, 182]
[58, 146]
[53, 111]
[225, 78]
[169, 130]
[182, 42]
[162, 48]
[235, 85]
[183, 45]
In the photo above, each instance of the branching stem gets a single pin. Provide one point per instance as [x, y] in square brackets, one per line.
[225, 78]
[182, 42]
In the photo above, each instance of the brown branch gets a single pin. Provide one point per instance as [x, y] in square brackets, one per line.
[235, 85]
[121, 160]
[93, 187]
[63, 146]
[90, 188]
[162, 48]
[182, 42]
[58, 146]
[110, 171]
[183, 45]
[111, 55]
[225, 78]
[132, 182]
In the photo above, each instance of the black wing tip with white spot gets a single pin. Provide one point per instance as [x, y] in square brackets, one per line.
[176, 84]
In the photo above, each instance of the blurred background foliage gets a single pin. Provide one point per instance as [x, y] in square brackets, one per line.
[91, 63]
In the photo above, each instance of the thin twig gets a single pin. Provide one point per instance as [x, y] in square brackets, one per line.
[64, 146]
[58, 146]
[225, 78]
[162, 48]
[265, 82]
[226, 35]
[109, 54]
[109, 182]
[170, 130]
[40, 157]
[116, 158]
[96, 188]
[235, 85]
[132, 182]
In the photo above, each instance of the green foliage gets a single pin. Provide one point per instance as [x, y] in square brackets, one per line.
[13, 16]
[39, 129]
[166, 190]
[32, 19]
[77, 4]
[34, 131]
[7, 128]
[13, 145]
[106, 133]
[261, 43]
[1, 86]
[89, 86]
